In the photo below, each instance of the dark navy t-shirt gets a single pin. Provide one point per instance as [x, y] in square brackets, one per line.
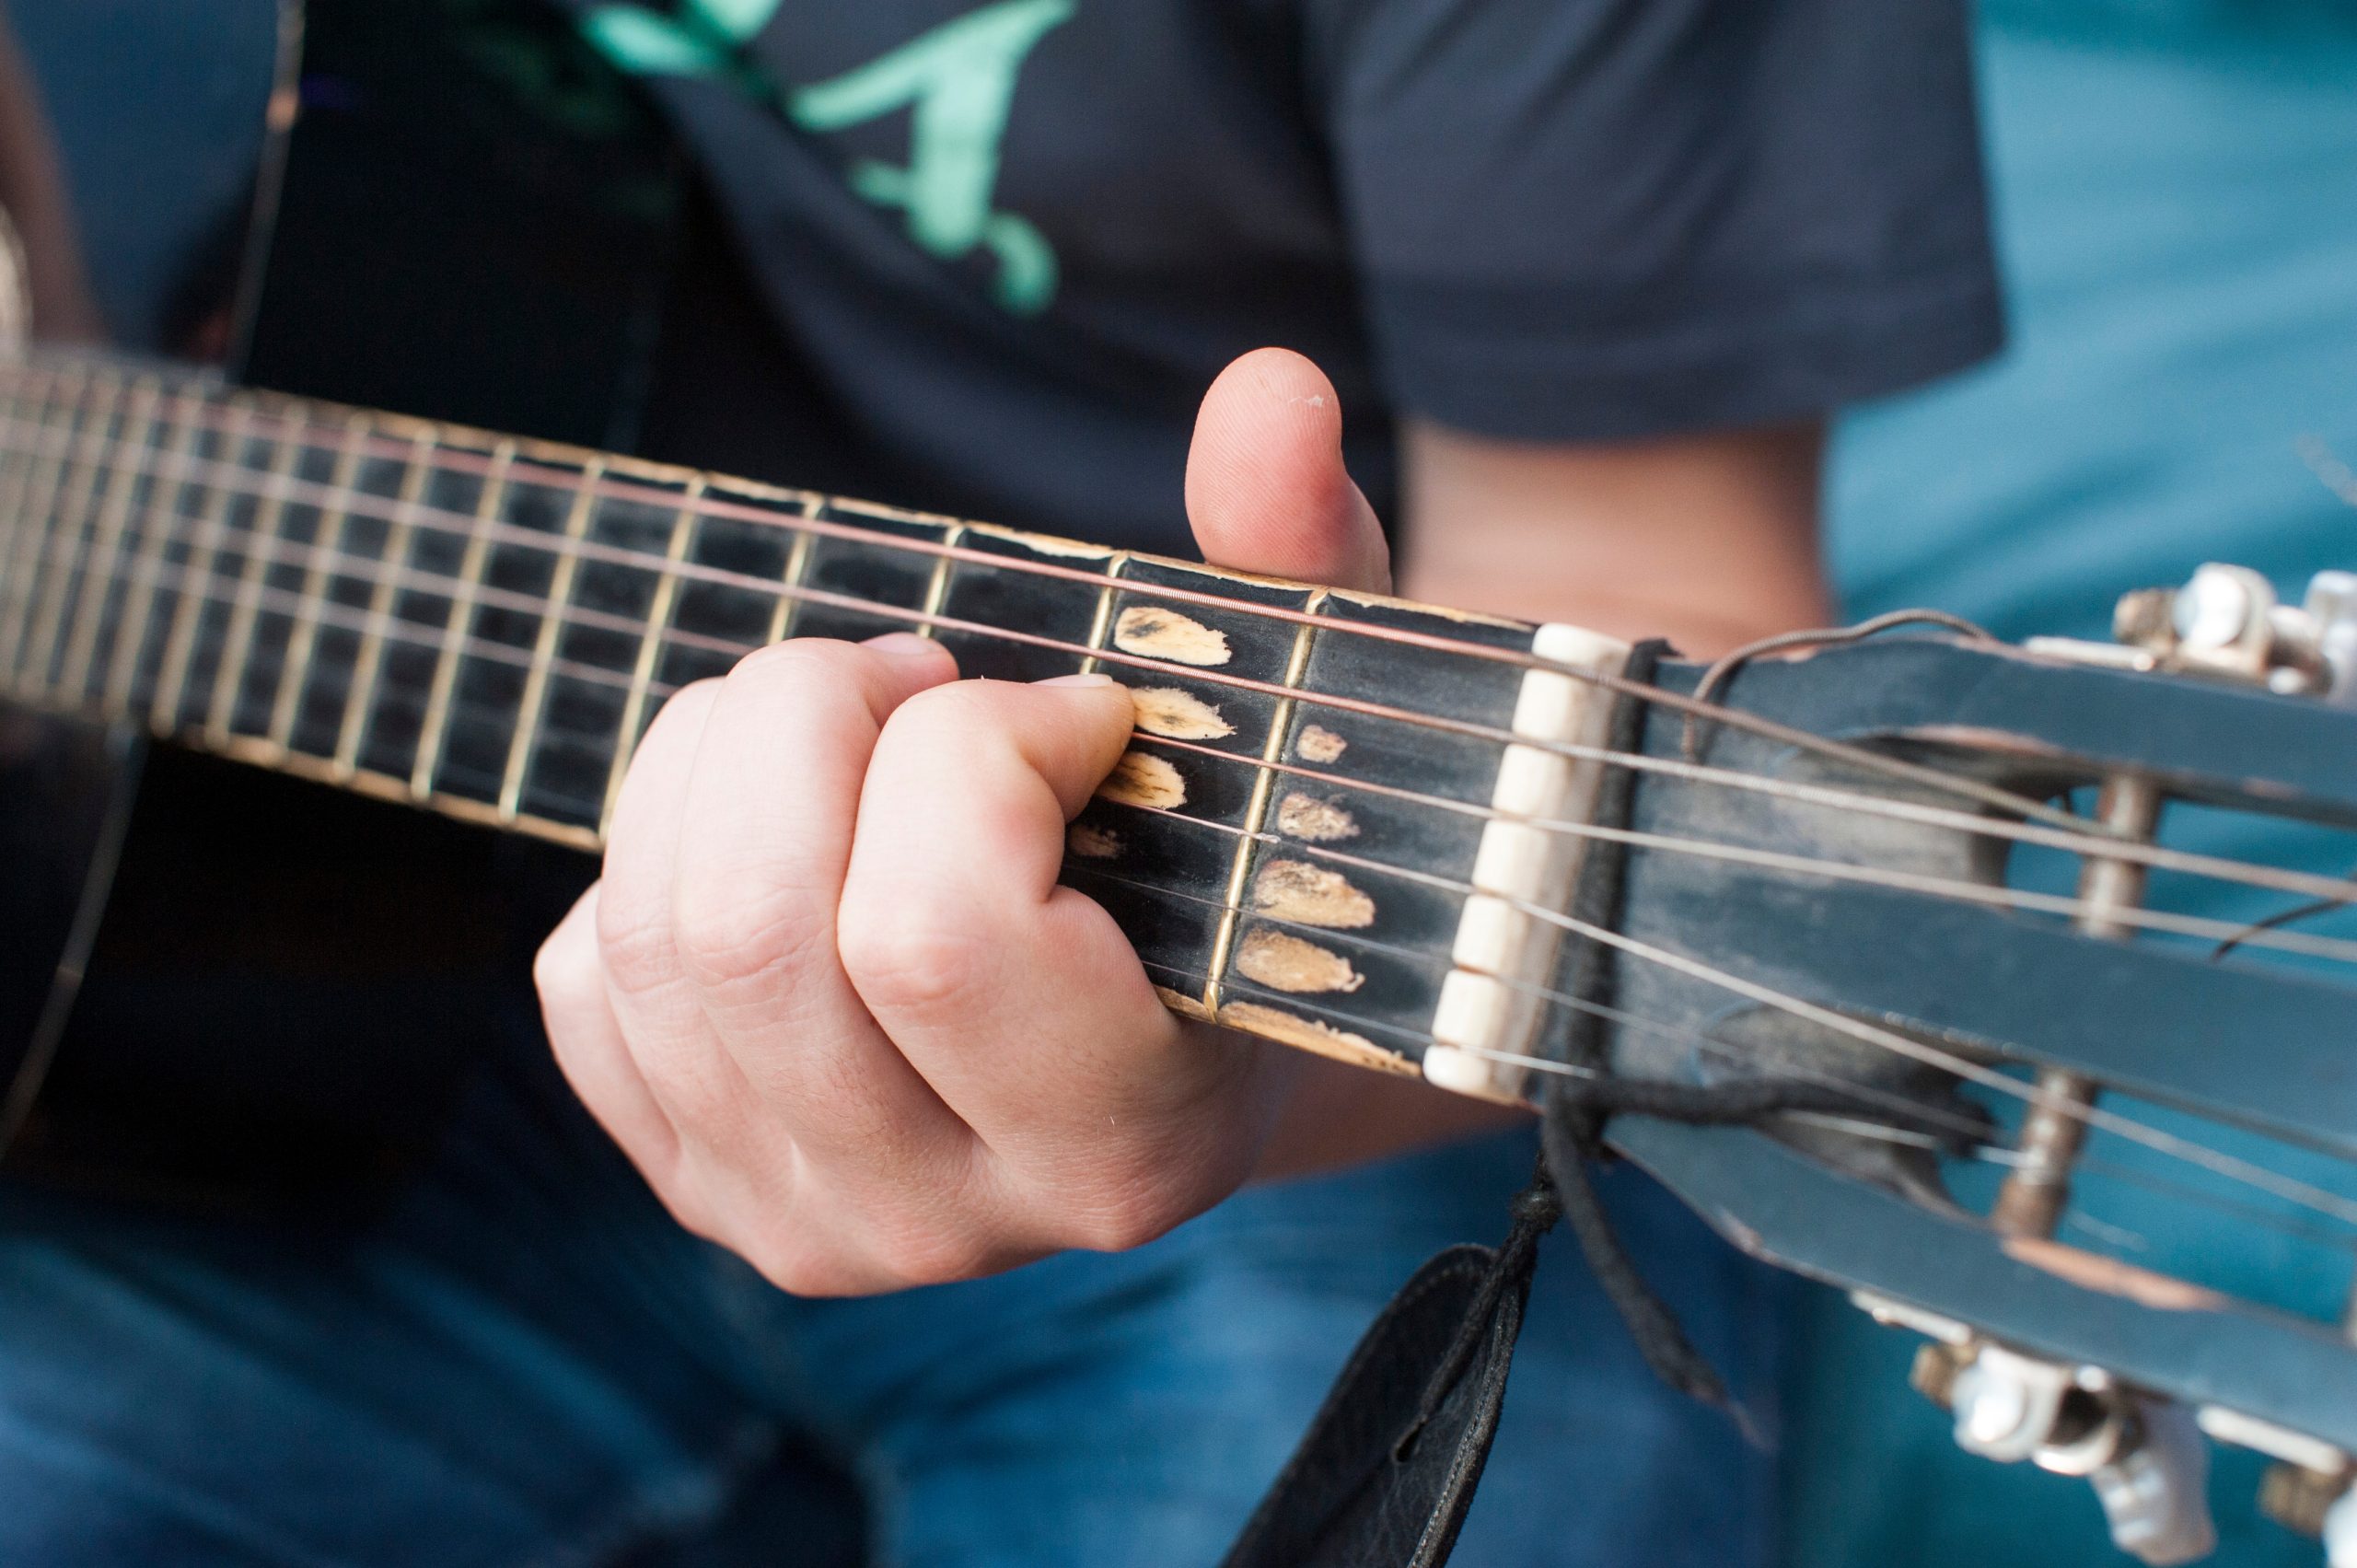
[1011, 243]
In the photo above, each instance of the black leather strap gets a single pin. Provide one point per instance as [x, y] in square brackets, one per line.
[1388, 1468]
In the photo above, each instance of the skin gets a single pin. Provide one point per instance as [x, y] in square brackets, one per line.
[828, 996]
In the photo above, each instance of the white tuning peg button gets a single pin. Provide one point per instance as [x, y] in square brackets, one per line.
[2157, 1496]
[2340, 1532]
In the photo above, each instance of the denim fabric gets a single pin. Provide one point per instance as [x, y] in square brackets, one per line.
[525, 1363]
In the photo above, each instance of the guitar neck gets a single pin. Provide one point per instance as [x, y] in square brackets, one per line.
[484, 626]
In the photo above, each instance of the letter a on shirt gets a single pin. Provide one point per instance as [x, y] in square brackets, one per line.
[957, 82]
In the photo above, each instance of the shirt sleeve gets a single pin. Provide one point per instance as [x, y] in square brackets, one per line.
[1609, 219]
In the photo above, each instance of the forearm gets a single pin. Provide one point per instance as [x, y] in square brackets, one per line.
[1709, 540]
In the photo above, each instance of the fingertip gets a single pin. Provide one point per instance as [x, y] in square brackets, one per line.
[1267, 490]
[1095, 692]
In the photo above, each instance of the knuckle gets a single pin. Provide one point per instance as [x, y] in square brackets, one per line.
[820, 661]
[1130, 1198]
[931, 1250]
[914, 952]
[1130, 1220]
[733, 929]
[633, 945]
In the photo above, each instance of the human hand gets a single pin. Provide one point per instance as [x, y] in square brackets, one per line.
[829, 996]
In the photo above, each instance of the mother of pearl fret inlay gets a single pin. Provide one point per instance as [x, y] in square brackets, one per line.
[1503, 954]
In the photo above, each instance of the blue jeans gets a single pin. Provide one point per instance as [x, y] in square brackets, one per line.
[524, 1362]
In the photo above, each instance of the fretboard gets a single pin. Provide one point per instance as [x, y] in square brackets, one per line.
[485, 626]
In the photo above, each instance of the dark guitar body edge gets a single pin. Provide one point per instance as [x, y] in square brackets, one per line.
[273, 1001]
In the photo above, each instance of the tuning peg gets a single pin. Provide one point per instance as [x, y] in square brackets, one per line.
[2145, 1458]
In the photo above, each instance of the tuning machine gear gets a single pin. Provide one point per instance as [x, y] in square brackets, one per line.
[2226, 622]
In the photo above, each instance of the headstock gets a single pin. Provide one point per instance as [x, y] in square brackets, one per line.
[2036, 1017]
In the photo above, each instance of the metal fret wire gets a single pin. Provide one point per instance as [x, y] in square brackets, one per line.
[2190, 1151]
[2075, 840]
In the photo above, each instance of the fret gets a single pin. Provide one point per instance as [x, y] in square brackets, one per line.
[797, 567]
[1309, 932]
[31, 395]
[531, 707]
[369, 658]
[433, 731]
[439, 562]
[650, 648]
[1256, 814]
[1169, 823]
[622, 598]
[195, 601]
[104, 575]
[47, 450]
[303, 637]
[1100, 624]
[873, 572]
[1009, 596]
[259, 546]
[66, 505]
[295, 548]
[497, 659]
[740, 616]
[938, 589]
[150, 564]
[319, 687]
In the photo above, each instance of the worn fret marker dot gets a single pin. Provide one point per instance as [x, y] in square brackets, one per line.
[1139, 779]
[1310, 1034]
[1181, 715]
[1311, 895]
[1320, 822]
[1288, 963]
[1089, 841]
[1316, 743]
[1151, 631]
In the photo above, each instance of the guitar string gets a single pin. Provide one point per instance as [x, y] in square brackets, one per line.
[312, 552]
[1542, 913]
[1965, 1126]
[988, 562]
[305, 431]
[269, 666]
[2241, 934]
[2086, 1166]
[1826, 1018]
[1891, 1100]
[354, 566]
[2194, 1153]
[2227, 1166]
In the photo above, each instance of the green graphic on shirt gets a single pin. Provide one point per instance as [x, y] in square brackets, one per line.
[956, 81]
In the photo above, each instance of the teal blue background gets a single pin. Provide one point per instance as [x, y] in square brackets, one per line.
[2175, 188]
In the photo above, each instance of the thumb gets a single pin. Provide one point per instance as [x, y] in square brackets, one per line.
[1266, 488]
